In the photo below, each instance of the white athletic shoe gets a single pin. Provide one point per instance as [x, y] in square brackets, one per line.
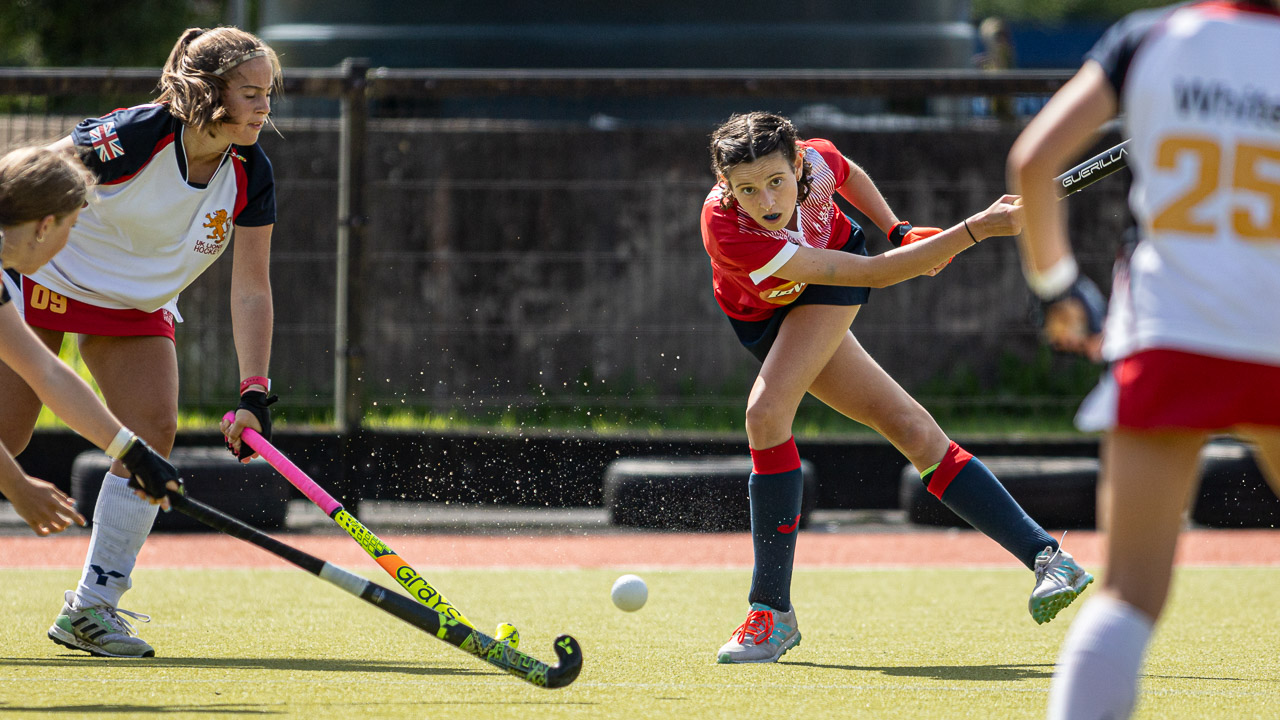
[99, 630]
[1059, 581]
[766, 636]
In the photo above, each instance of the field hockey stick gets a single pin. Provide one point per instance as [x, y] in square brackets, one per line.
[439, 624]
[409, 579]
[1092, 170]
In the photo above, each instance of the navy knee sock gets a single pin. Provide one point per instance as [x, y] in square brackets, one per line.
[776, 489]
[966, 486]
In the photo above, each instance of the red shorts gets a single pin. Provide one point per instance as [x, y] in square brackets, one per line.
[1174, 389]
[44, 308]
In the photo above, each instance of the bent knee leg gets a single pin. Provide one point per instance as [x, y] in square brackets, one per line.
[916, 435]
[158, 426]
[768, 422]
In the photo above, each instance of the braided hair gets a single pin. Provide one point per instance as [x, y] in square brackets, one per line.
[748, 137]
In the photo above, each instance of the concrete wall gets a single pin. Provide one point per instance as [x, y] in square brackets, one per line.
[512, 261]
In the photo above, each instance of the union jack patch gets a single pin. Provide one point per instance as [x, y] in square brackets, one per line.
[106, 142]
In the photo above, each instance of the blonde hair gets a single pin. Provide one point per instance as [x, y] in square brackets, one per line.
[36, 182]
[194, 76]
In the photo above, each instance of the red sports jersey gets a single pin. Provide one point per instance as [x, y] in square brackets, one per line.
[744, 255]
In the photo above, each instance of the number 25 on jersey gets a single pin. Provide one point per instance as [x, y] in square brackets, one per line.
[1245, 168]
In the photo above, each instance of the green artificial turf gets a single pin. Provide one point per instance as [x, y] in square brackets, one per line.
[953, 643]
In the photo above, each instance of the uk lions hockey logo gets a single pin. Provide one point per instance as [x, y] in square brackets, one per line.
[219, 224]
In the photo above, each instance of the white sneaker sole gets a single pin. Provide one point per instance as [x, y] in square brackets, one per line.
[725, 658]
[62, 637]
[1048, 608]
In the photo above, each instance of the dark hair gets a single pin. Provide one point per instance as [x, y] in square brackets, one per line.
[36, 182]
[747, 138]
[194, 76]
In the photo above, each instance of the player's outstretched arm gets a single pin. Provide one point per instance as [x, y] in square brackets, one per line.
[71, 399]
[859, 189]
[58, 387]
[44, 507]
[833, 267]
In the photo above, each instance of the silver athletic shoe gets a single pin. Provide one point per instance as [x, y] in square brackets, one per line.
[766, 636]
[1059, 581]
[99, 630]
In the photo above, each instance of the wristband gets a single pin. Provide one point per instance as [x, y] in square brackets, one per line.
[120, 443]
[255, 380]
[898, 233]
[1056, 280]
[971, 236]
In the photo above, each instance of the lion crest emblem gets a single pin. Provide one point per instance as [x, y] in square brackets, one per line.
[219, 226]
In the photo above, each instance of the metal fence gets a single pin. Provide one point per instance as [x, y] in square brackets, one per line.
[473, 241]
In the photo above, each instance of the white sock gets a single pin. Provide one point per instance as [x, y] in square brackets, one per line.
[121, 522]
[1097, 673]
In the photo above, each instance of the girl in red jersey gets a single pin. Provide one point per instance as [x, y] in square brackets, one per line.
[177, 181]
[790, 271]
[41, 192]
[1192, 334]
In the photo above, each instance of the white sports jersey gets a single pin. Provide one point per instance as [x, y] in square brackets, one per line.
[147, 233]
[1199, 86]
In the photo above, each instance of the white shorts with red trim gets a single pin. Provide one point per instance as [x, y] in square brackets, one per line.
[44, 308]
[1161, 389]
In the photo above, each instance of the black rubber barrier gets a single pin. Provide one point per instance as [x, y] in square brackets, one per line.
[544, 468]
[1233, 490]
[1057, 492]
[253, 492]
[706, 494]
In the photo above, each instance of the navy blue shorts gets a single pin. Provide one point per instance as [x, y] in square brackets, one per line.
[757, 336]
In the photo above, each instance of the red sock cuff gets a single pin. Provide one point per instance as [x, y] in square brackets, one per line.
[777, 459]
[952, 463]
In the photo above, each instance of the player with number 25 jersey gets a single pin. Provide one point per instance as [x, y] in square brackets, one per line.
[1205, 155]
[1192, 333]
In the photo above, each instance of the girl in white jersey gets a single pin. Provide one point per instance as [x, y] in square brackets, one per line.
[791, 271]
[41, 192]
[177, 180]
[1193, 335]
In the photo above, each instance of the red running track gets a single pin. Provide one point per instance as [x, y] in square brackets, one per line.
[630, 550]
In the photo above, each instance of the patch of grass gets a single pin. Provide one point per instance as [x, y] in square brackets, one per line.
[890, 644]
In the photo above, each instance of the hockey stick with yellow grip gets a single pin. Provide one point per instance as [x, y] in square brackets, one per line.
[443, 626]
[417, 586]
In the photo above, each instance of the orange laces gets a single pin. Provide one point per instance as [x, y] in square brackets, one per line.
[759, 625]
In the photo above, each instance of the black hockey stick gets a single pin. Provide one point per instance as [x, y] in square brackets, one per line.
[438, 624]
[1092, 170]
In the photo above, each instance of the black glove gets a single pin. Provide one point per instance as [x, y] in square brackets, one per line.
[148, 471]
[899, 232]
[1090, 298]
[258, 403]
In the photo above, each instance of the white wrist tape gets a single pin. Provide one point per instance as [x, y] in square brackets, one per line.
[120, 443]
[1053, 282]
